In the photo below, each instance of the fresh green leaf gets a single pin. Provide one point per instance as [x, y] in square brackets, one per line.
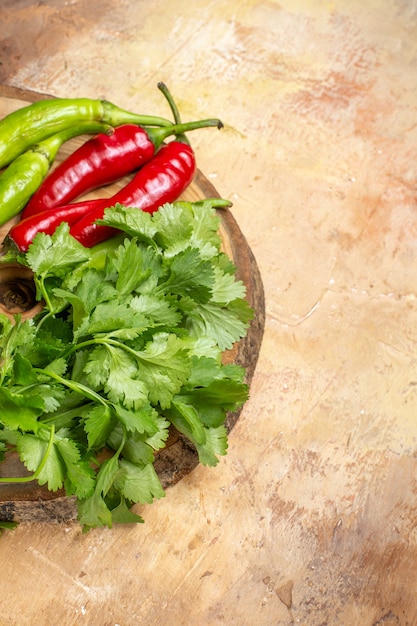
[205, 235]
[226, 288]
[8, 525]
[12, 340]
[111, 318]
[139, 483]
[93, 512]
[143, 419]
[174, 225]
[123, 515]
[32, 450]
[189, 275]
[79, 479]
[116, 370]
[214, 446]
[3, 449]
[218, 322]
[17, 411]
[132, 267]
[128, 345]
[163, 367]
[158, 311]
[138, 224]
[186, 419]
[23, 370]
[107, 474]
[157, 441]
[99, 421]
[54, 255]
[134, 446]
[90, 292]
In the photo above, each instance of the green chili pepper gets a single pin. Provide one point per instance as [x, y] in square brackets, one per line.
[31, 124]
[24, 175]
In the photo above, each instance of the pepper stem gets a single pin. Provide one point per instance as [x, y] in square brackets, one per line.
[115, 116]
[172, 105]
[157, 135]
[174, 110]
[181, 129]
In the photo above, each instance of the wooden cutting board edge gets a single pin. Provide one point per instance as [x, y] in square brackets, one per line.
[31, 502]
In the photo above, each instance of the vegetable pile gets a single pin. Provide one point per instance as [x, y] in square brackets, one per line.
[138, 308]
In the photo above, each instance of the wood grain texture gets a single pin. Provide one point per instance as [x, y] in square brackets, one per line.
[31, 502]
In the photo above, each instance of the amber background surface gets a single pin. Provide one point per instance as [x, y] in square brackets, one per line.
[311, 517]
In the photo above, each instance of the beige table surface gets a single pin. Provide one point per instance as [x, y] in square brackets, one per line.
[311, 518]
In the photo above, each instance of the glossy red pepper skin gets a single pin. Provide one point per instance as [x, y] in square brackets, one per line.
[23, 232]
[161, 180]
[100, 161]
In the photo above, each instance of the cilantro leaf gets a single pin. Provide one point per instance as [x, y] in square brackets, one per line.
[117, 370]
[218, 322]
[51, 338]
[110, 317]
[89, 292]
[99, 421]
[174, 225]
[226, 288]
[53, 255]
[134, 266]
[13, 338]
[121, 514]
[79, 479]
[134, 446]
[17, 411]
[128, 346]
[214, 446]
[213, 401]
[157, 441]
[158, 311]
[50, 469]
[163, 367]
[23, 370]
[141, 420]
[139, 483]
[189, 275]
[138, 224]
[185, 418]
[93, 512]
[206, 225]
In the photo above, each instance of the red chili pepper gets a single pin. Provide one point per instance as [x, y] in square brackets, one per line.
[161, 180]
[103, 160]
[99, 161]
[23, 232]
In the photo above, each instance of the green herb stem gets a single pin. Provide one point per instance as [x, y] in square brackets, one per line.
[87, 392]
[166, 296]
[35, 475]
[99, 341]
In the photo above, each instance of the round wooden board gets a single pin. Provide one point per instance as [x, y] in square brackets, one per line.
[31, 502]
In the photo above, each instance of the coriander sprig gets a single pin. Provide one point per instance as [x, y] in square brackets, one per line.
[128, 344]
